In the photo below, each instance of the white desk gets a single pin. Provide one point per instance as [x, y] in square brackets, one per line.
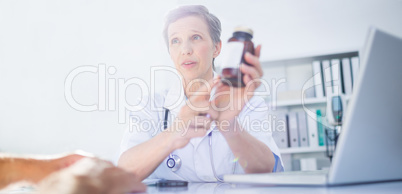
[389, 187]
[203, 188]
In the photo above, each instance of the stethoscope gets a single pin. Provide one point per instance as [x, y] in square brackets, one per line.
[174, 161]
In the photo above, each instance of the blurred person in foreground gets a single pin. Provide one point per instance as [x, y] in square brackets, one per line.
[70, 173]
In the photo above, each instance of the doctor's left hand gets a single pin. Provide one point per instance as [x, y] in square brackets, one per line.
[230, 101]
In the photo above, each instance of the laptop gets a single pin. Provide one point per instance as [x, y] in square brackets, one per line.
[369, 148]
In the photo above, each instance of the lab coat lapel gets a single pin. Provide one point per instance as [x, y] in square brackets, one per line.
[174, 98]
[174, 101]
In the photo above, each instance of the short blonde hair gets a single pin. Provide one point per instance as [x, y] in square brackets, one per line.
[212, 21]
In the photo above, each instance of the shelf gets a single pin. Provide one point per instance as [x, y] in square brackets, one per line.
[306, 101]
[307, 57]
[298, 102]
[302, 150]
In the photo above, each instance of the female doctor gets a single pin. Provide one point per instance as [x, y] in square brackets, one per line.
[203, 135]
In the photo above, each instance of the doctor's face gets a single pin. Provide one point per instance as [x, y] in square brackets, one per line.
[191, 48]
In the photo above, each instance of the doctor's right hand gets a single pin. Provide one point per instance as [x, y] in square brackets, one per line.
[194, 118]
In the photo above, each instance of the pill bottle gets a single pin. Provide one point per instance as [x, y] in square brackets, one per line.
[237, 46]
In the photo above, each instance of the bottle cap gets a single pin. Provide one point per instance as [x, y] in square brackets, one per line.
[244, 29]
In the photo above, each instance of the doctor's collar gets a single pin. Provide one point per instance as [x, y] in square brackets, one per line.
[214, 75]
[175, 96]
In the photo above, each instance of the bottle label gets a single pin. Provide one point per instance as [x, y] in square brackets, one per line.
[231, 56]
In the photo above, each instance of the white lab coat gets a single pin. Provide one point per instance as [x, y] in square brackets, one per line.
[196, 163]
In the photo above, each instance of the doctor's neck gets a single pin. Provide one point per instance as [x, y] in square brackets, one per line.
[192, 85]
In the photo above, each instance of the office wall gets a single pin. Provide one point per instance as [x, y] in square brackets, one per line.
[42, 42]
